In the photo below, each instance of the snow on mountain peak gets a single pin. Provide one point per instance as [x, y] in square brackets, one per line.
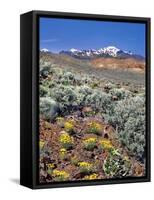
[44, 50]
[74, 50]
[111, 50]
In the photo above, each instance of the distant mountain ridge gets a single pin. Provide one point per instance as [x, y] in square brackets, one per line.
[109, 52]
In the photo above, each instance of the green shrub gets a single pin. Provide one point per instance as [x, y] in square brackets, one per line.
[128, 118]
[133, 136]
[43, 91]
[116, 166]
[120, 93]
[108, 86]
[131, 107]
[49, 109]
[99, 101]
[45, 70]
[90, 143]
[66, 97]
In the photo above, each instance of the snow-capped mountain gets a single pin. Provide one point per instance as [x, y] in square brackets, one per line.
[44, 50]
[110, 51]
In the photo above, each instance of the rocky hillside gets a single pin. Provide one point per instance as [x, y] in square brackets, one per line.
[114, 63]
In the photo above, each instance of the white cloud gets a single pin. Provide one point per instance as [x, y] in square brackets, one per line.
[49, 40]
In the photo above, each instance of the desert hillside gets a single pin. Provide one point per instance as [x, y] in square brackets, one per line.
[92, 121]
[120, 70]
[115, 63]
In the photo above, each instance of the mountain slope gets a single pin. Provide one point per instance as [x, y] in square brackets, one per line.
[115, 63]
[128, 70]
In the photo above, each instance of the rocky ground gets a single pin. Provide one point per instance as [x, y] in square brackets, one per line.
[83, 149]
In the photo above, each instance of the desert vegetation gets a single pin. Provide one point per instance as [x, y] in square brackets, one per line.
[90, 127]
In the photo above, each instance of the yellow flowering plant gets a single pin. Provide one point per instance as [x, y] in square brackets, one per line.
[60, 175]
[106, 144]
[86, 167]
[63, 153]
[90, 143]
[50, 167]
[47, 125]
[94, 127]
[66, 140]
[91, 177]
[41, 144]
[69, 125]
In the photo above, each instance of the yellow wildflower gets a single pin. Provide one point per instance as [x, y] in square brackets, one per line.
[89, 140]
[86, 167]
[47, 125]
[50, 165]
[66, 140]
[59, 118]
[91, 177]
[63, 150]
[94, 127]
[63, 153]
[106, 144]
[60, 175]
[90, 143]
[85, 164]
[41, 144]
[69, 125]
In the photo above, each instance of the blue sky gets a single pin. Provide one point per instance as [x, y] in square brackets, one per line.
[63, 34]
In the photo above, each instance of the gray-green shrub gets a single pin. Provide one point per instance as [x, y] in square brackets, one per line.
[128, 118]
[49, 109]
[120, 93]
